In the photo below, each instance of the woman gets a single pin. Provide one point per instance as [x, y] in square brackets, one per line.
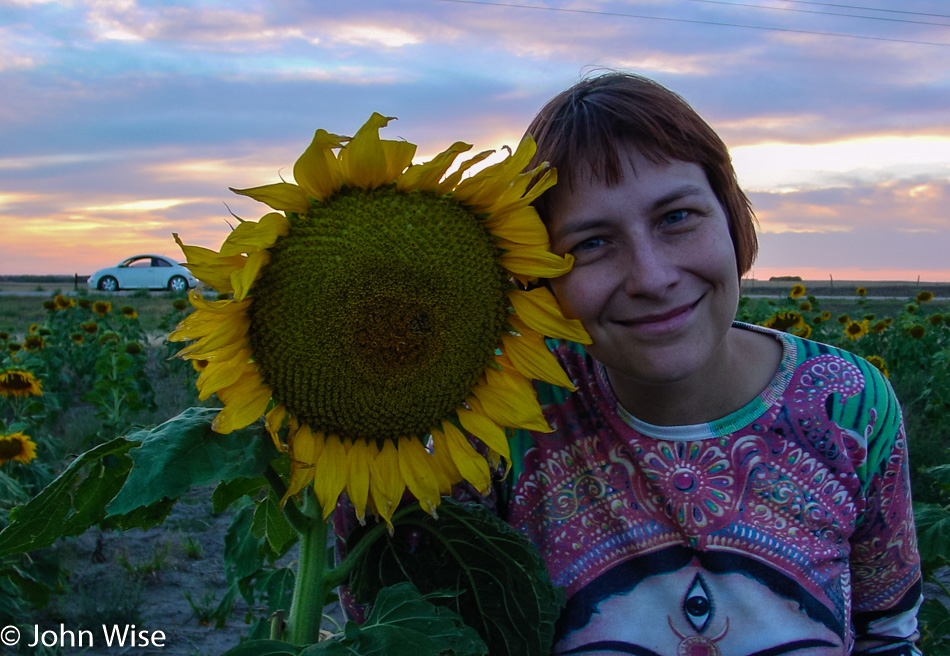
[711, 487]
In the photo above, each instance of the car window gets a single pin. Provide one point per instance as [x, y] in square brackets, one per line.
[158, 262]
[140, 263]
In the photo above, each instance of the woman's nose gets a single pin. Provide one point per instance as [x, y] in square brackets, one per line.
[649, 270]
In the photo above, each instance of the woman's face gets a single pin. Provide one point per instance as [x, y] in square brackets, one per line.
[654, 279]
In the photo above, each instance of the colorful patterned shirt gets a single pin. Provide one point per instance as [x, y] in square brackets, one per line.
[784, 527]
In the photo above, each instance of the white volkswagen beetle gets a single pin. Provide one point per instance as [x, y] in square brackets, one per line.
[143, 272]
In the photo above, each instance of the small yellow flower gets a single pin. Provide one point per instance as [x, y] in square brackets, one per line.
[797, 291]
[77, 337]
[826, 315]
[855, 330]
[878, 362]
[19, 383]
[129, 312]
[925, 297]
[804, 306]
[861, 291]
[102, 308]
[879, 327]
[33, 328]
[917, 331]
[17, 447]
[91, 327]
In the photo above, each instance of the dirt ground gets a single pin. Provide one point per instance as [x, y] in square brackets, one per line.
[128, 587]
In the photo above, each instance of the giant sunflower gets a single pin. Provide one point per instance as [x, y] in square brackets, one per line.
[376, 317]
[18, 447]
[19, 383]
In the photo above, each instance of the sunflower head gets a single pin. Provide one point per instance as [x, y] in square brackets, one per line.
[90, 327]
[786, 322]
[925, 296]
[102, 308]
[34, 343]
[797, 291]
[917, 331]
[879, 362]
[129, 312]
[17, 447]
[374, 317]
[50, 305]
[78, 338]
[84, 303]
[935, 319]
[60, 302]
[19, 383]
[861, 291]
[855, 330]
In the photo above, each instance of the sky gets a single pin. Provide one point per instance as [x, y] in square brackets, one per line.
[124, 121]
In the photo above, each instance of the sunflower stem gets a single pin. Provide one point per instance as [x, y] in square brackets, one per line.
[312, 583]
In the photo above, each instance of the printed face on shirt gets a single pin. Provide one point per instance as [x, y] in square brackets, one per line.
[694, 612]
[654, 280]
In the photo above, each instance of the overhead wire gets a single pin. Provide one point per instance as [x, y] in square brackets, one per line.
[890, 11]
[821, 13]
[695, 21]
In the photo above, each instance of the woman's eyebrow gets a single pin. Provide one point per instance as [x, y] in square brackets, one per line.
[678, 194]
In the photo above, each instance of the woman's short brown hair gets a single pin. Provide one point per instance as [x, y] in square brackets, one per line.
[587, 126]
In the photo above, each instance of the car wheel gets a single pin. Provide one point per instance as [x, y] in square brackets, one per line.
[178, 284]
[108, 284]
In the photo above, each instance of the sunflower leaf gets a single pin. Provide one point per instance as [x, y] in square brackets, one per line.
[271, 523]
[501, 583]
[73, 502]
[404, 622]
[184, 452]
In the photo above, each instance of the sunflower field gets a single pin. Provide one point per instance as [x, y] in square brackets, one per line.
[85, 371]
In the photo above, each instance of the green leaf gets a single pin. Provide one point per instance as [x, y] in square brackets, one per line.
[271, 523]
[933, 534]
[228, 492]
[262, 648]
[934, 623]
[143, 517]
[243, 553]
[505, 591]
[278, 587]
[941, 474]
[185, 452]
[73, 502]
[404, 623]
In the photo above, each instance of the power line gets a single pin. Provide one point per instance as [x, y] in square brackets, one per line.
[697, 22]
[891, 11]
[822, 13]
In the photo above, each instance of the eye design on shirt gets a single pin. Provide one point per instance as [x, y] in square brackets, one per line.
[697, 605]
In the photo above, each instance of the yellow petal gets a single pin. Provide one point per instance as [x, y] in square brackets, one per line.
[225, 306]
[536, 262]
[245, 402]
[425, 177]
[417, 472]
[521, 226]
[539, 309]
[399, 155]
[485, 429]
[482, 190]
[359, 456]
[317, 171]
[446, 473]
[447, 185]
[509, 400]
[305, 449]
[250, 236]
[386, 483]
[329, 478]
[273, 422]
[282, 196]
[243, 280]
[218, 375]
[471, 466]
[364, 160]
[524, 188]
[530, 356]
[226, 334]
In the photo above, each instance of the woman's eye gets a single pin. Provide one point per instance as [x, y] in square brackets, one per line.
[675, 217]
[587, 245]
